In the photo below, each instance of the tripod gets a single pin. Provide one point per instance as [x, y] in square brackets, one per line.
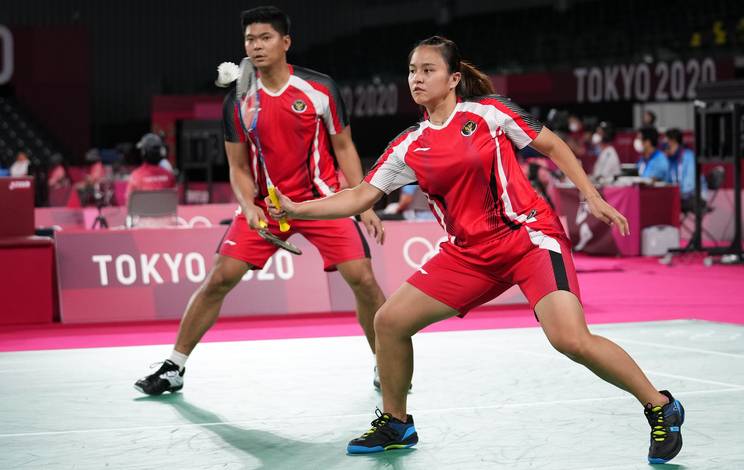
[100, 221]
[101, 199]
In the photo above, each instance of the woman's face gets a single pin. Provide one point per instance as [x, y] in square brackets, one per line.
[428, 78]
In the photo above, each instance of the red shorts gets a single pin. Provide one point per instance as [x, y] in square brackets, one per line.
[538, 263]
[337, 241]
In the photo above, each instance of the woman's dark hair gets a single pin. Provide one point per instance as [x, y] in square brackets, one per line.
[268, 14]
[473, 81]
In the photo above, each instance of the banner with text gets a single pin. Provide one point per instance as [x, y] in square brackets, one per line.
[147, 274]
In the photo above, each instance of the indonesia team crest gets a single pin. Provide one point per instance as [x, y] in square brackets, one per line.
[468, 129]
[299, 106]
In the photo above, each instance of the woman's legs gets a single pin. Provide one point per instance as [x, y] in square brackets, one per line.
[407, 311]
[562, 319]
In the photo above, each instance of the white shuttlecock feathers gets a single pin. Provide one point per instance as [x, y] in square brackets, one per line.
[227, 72]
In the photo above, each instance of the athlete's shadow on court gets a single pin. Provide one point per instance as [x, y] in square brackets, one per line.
[272, 450]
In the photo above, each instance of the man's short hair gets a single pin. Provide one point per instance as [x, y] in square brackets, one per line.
[675, 135]
[650, 133]
[268, 14]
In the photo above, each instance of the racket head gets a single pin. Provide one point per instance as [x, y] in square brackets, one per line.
[246, 90]
[274, 240]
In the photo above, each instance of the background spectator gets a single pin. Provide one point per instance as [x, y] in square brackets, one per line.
[21, 165]
[607, 166]
[653, 163]
[150, 176]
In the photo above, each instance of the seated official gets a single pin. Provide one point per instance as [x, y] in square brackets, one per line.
[607, 166]
[150, 176]
[653, 163]
[681, 167]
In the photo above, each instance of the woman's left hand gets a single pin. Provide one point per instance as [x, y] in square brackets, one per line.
[608, 214]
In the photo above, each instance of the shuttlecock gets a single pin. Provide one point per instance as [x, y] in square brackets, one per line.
[227, 72]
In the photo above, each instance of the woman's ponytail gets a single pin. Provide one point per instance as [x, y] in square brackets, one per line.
[473, 82]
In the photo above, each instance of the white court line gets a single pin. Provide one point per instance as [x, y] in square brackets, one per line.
[564, 402]
[357, 415]
[693, 379]
[679, 348]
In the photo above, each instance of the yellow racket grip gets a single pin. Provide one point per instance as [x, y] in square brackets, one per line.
[283, 224]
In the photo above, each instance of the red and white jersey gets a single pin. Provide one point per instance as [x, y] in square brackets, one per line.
[294, 128]
[148, 177]
[468, 169]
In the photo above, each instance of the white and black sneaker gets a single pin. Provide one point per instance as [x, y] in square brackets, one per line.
[376, 381]
[167, 379]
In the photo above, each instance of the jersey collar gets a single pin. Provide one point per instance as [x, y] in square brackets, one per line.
[437, 127]
[282, 89]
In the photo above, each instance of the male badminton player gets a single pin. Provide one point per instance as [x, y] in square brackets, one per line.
[302, 124]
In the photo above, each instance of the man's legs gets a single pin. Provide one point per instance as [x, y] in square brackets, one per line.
[201, 313]
[204, 305]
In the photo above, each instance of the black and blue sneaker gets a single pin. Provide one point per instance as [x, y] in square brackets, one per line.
[666, 423]
[386, 433]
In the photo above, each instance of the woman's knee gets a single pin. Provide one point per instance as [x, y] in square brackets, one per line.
[572, 344]
[388, 324]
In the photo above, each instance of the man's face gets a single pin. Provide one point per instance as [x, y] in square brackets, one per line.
[672, 146]
[264, 45]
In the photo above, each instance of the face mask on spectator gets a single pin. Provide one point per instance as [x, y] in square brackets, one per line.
[638, 145]
[596, 139]
[574, 126]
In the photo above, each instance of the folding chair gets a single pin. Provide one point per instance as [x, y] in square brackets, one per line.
[152, 208]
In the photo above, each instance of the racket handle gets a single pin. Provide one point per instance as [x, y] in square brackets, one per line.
[283, 224]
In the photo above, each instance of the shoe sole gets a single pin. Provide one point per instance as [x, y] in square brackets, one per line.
[171, 390]
[352, 450]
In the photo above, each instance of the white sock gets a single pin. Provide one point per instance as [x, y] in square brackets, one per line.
[178, 359]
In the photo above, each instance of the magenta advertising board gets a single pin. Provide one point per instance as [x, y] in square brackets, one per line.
[147, 274]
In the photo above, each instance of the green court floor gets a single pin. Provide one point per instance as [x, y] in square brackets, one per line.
[493, 399]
